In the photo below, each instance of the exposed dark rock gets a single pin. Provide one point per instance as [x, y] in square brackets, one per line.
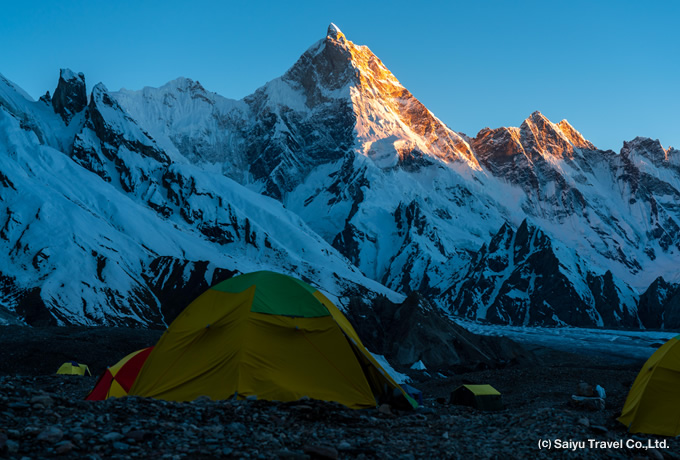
[659, 306]
[108, 137]
[70, 97]
[650, 149]
[5, 182]
[519, 279]
[101, 107]
[540, 137]
[46, 98]
[609, 304]
[347, 242]
[672, 312]
[176, 283]
[32, 309]
[413, 161]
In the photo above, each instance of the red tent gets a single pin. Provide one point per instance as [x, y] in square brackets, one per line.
[117, 379]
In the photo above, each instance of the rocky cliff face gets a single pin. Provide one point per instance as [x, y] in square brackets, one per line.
[521, 278]
[70, 97]
[660, 305]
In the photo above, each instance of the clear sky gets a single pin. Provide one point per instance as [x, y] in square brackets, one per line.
[612, 68]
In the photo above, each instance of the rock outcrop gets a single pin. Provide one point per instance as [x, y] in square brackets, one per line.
[70, 97]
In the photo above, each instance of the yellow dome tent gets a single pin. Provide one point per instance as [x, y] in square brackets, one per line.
[268, 336]
[653, 403]
[73, 368]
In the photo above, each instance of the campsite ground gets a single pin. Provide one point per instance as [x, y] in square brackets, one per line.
[43, 415]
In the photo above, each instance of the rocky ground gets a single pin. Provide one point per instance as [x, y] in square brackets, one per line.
[43, 415]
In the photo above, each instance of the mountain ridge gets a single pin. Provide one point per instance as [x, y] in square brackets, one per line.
[377, 180]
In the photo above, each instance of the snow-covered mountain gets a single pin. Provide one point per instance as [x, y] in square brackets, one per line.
[100, 224]
[523, 278]
[528, 225]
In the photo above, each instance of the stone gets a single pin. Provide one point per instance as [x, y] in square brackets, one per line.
[121, 446]
[594, 404]
[655, 454]
[51, 435]
[12, 447]
[137, 435]
[290, 454]
[43, 400]
[344, 445]
[599, 428]
[385, 409]
[20, 406]
[237, 428]
[585, 389]
[320, 451]
[113, 436]
[64, 447]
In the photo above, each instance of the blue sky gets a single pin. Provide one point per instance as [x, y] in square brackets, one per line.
[612, 68]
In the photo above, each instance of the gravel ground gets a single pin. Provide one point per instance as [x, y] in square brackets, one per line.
[43, 415]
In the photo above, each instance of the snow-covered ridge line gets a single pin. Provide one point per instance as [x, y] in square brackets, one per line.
[371, 184]
[127, 204]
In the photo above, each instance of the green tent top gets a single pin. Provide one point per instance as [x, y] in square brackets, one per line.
[277, 294]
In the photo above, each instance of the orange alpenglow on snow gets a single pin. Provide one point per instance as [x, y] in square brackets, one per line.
[406, 124]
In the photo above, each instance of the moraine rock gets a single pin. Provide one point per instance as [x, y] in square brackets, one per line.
[50, 435]
[416, 330]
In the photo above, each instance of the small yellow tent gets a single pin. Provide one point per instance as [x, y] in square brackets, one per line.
[483, 397]
[267, 336]
[653, 403]
[73, 368]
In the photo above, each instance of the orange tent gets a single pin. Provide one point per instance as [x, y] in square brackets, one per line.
[117, 380]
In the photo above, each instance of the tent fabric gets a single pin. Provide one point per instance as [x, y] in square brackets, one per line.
[479, 390]
[483, 397]
[284, 295]
[413, 392]
[268, 336]
[653, 402]
[73, 368]
[117, 380]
